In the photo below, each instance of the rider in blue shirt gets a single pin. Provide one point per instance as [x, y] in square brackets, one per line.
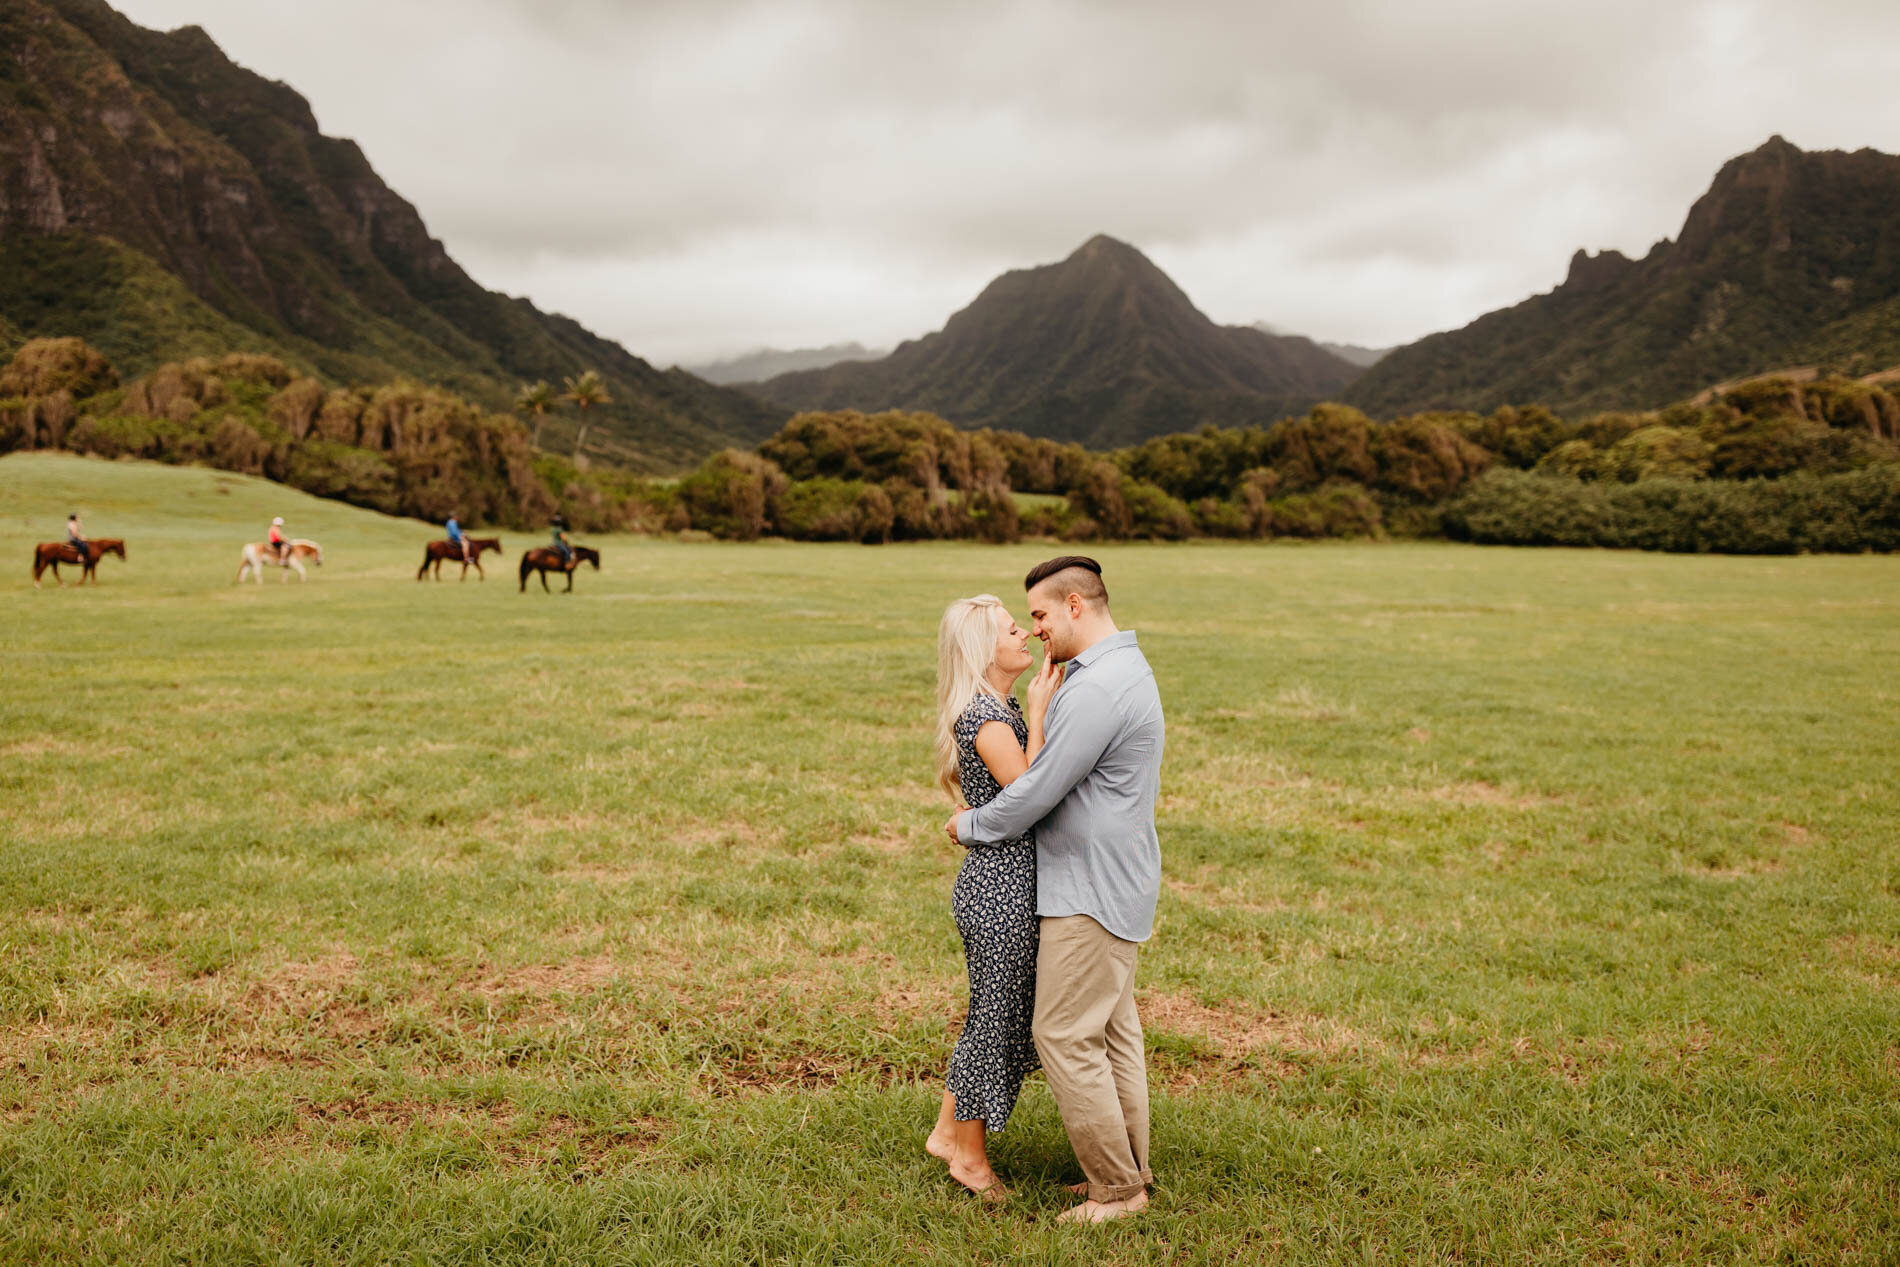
[457, 539]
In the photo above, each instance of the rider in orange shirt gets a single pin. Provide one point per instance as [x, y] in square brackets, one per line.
[279, 543]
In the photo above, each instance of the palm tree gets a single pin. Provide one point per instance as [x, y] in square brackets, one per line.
[584, 390]
[534, 401]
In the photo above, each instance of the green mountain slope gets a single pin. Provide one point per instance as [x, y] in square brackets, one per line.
[128, 155]
[1101, 348]
[1789, 257]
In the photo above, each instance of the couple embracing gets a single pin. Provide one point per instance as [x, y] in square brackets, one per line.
[1059, 884]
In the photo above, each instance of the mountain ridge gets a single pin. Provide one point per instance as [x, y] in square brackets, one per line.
[1789, 256]
[155, 154]
[763, 363]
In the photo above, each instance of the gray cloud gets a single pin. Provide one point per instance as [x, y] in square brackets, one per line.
[700, 178]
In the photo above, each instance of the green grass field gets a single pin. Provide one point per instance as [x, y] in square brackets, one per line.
[1520, 905]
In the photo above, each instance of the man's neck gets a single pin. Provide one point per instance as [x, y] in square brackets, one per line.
[1094, 632]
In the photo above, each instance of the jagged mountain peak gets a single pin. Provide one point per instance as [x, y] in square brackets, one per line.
[1789, 257]
[1101, 346]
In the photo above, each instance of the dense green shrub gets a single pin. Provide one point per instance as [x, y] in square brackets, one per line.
[990, 511]
[1154, 515]
[821, 509]
[1849, 511]
[1338, 510]
[1518, 437]
[343, 471]
[733, 495]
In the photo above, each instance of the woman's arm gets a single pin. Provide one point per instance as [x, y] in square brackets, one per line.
[1004, 757]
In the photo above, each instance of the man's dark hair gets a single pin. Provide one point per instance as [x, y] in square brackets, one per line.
[1073, 574]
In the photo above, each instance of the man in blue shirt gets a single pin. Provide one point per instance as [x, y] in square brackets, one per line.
[457, 540]
[1090, 795]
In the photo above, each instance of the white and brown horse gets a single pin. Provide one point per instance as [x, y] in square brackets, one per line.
[259, 553]
[50, 554]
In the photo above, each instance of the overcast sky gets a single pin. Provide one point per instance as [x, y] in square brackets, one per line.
[702, 178]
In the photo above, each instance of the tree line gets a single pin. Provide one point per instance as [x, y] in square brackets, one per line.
[1764, 466]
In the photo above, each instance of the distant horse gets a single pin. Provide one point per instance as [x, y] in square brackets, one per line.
[50, 554]
[437, 551]
[545, 559]
[258, 553]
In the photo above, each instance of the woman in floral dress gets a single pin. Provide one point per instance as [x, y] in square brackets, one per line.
[984, 741]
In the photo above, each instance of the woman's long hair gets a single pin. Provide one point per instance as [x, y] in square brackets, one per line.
[966, 647]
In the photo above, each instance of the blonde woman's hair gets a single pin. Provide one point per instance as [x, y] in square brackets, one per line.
[966, 647]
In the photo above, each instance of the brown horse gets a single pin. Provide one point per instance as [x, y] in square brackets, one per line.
[545, 559]
[50, 554]
[438, 551]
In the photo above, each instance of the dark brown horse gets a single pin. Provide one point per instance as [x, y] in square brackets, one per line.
[438, 551]
[50, 554]
[545, 559]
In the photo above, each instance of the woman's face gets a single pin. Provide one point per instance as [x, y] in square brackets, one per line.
[1012, 646]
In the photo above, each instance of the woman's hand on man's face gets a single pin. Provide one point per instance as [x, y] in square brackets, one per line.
[1042, 687]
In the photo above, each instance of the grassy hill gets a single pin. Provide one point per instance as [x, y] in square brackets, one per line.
[184, 526]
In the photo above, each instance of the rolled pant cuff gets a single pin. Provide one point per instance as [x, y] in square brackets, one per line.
[1114, 1192]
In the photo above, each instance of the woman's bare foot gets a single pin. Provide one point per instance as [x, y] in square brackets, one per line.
[1103, 1211]
[942, 1143]
[978, 1178]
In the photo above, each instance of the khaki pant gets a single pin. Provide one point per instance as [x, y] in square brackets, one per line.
[1089, 1038]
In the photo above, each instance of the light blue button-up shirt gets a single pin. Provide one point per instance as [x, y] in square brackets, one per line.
[1090, 794]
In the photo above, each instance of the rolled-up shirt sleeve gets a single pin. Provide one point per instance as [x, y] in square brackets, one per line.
[1081, 723]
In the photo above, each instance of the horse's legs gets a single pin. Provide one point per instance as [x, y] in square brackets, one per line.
[302, 576]
[479, 574]
[543, 574]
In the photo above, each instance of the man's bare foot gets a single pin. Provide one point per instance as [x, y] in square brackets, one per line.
[1103, 1211]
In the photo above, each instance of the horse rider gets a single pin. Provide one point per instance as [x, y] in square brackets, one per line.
[76, 535]
[279, 543]
[559, 524]
[456, 538]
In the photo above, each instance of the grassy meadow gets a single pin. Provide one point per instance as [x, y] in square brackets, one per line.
[1520, 906]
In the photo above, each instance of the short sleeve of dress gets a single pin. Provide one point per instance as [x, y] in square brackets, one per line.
[984, 708]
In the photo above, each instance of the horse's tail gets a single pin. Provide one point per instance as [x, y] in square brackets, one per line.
[527, 566]
[424, 569]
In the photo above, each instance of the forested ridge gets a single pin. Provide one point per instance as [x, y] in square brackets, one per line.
[1767, 465]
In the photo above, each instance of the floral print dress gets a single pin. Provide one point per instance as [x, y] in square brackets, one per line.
[994, 903]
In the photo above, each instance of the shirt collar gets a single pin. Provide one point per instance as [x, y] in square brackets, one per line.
[1123, 638]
